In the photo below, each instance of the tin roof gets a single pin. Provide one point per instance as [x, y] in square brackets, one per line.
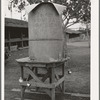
[72, 31]
[15, 23]
[58, 7]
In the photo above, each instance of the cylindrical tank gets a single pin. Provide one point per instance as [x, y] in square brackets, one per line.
[45, 33]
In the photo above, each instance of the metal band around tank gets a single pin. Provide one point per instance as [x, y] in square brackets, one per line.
[45, 39]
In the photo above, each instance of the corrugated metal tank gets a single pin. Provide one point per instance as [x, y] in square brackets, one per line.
[45, 33]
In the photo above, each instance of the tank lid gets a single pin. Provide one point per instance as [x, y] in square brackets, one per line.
[59, 8]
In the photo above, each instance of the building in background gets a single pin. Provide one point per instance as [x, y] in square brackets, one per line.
[16, 34]
[75, 35]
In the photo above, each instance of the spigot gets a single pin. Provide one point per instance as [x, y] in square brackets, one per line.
[28, 84]
[20, 80]
[69, 71]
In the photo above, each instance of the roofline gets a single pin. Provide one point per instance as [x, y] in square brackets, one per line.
[9, 22]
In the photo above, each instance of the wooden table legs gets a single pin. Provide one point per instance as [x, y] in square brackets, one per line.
[49, 88]
[22, 87]
[63, 83]
[22, 92]
[52, 81]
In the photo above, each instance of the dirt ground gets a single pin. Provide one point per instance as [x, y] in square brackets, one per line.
[76, 82]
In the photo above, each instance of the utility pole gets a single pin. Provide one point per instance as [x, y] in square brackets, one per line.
[87, 33]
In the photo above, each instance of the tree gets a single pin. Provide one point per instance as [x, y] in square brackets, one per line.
[19, 4]
[76, 11]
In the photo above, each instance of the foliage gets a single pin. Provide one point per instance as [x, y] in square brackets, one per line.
[20, 4]
[79, 10]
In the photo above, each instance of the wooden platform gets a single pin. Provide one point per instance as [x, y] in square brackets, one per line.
[30, 67]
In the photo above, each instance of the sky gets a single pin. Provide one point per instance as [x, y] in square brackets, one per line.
[8, 13]
[15, 14]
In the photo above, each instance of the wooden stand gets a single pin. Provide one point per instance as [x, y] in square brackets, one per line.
[32, 69]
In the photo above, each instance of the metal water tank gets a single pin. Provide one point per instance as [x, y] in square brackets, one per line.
[45, 32]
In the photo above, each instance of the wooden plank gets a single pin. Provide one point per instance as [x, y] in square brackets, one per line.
[29, 71]
[19, 90]
[22, 92]
[22, 72]
[28, 61]
[20, 99]
[35, 65]
[63, 84]
[36, 84]
[59, 81]
[46, 76]
[36, 71]
[28, 91]
[29, 76]
[52, 81]
[57, 77]
[37, 79]
[63, 73]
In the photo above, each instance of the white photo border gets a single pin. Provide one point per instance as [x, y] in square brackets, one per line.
[94, 50]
